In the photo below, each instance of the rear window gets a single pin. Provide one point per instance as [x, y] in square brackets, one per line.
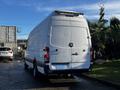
[5, 49]
[61, 36]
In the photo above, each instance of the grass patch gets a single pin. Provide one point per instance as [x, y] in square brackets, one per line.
[109, 71]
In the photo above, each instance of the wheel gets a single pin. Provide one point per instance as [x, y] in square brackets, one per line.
[35, 72]
[10, 59]
[25, 66]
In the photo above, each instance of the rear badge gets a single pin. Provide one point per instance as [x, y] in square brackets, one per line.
[71, 44]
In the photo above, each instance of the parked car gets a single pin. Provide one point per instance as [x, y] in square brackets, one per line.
[6, 53]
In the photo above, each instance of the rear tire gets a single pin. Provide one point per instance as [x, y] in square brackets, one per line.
[10, 59]
[25, 66]
[35, 72]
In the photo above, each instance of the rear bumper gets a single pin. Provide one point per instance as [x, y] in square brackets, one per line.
[65, 71]
[71, 71]
[6, 57]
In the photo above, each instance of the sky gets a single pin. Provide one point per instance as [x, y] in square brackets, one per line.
[26, 14]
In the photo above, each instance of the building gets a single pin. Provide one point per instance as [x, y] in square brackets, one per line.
[8, 36]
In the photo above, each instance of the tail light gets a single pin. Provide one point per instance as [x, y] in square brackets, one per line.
[46, 55]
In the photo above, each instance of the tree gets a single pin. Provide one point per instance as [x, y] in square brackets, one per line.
[115, 36]
[115, 23]
[100, 34]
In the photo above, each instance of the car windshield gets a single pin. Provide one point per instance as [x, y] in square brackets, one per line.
[5, 49]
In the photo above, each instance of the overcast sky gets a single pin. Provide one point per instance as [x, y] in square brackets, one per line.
[26, 14]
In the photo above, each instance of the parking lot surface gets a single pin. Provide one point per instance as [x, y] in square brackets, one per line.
[14, 77]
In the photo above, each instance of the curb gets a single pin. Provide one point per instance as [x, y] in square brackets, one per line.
[108, 83]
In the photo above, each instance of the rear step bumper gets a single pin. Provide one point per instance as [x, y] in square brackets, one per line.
[70, 71]
[65, 71]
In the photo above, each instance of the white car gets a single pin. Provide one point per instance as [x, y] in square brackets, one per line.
[6, 52]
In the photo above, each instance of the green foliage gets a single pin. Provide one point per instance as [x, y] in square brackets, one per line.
[115, 23]
[103, 71]
[115, 36]
[98, 38]
[105, 39]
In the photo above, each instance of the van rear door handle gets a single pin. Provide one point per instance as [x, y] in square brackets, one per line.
[75, 53]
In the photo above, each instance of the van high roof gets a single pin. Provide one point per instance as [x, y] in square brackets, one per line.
[67, 13]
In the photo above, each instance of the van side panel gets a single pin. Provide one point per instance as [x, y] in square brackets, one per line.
[37, 41]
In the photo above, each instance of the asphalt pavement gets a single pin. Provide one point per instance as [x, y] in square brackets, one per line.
[14, 77]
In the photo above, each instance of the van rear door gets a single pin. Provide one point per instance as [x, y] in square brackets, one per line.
[69, 45]
[70, 42]
[80, 48]
[60, 52]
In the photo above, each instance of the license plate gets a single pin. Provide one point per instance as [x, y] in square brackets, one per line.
[61, 66]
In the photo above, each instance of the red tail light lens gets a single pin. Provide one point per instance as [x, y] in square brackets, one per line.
[46, 55]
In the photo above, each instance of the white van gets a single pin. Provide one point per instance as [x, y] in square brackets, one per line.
[59, 44]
